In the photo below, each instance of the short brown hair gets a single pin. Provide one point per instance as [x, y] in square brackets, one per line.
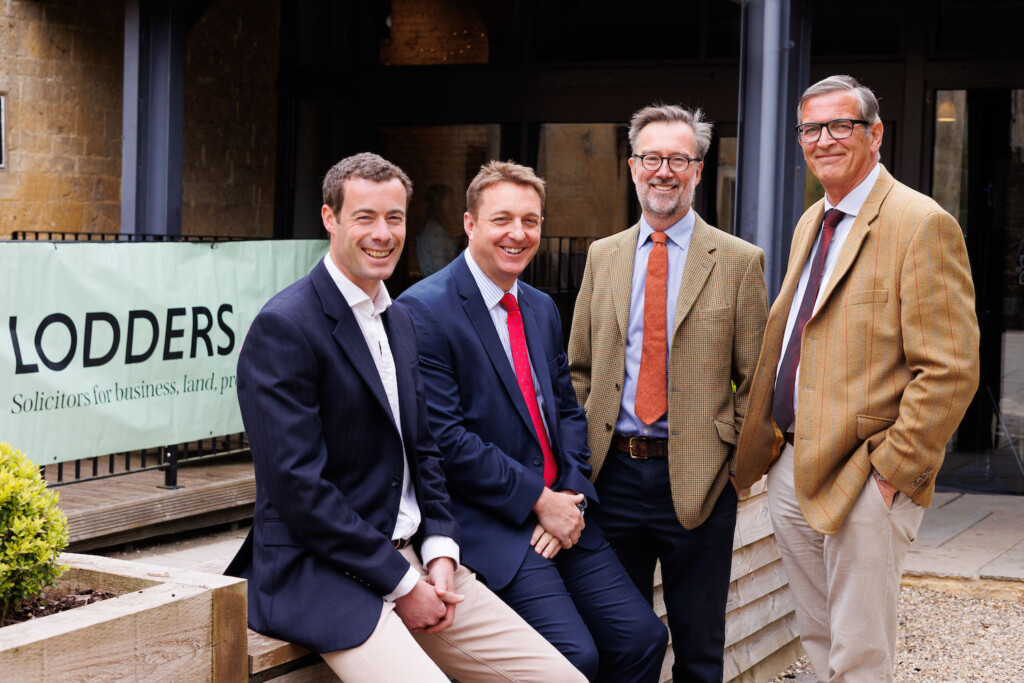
[364, 165]
[495, 172]
[673, 113]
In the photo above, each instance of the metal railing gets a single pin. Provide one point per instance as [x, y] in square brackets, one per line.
[165, 458]
[557, 270]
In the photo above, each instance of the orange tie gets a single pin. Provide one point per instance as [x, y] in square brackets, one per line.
[651, 394]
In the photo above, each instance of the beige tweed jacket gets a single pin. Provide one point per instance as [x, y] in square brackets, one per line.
[720, 317]
[888, 363]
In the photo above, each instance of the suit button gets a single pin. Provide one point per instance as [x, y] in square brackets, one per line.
[608, 426]
[395, 483]
[537, 461]
[618, 387]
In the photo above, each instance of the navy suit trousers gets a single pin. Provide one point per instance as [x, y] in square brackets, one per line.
[639, 520]
[583, 602]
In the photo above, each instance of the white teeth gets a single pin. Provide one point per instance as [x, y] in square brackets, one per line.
[513, 250]
[664, 187]
[377, 254]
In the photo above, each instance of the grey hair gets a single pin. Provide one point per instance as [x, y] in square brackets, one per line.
[673, 113]
[868, 102]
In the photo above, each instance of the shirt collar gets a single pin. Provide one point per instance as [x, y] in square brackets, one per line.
[854, 200]
[679, 233]
[491, 292]
[356, 298]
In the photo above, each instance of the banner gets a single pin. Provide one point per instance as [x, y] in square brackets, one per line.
[120, 346]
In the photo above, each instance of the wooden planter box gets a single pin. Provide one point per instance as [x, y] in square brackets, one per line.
[167, 625]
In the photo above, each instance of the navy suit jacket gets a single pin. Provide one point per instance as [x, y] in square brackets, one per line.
[328, 459]
[492, 459]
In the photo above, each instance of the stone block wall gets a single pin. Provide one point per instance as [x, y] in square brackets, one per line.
[61, 71]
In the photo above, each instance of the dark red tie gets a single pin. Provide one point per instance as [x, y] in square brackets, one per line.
[521, 362]
[782, 407]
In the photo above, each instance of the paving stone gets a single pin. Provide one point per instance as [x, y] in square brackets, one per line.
[1007, 567]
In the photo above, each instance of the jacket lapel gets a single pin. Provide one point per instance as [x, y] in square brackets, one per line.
[700, 260]
[348, 335]
[858, 233]
[401, 352]
[538, 358]
[622, 276]
[480, 318]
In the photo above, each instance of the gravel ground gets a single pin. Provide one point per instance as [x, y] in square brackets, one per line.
[950, 637]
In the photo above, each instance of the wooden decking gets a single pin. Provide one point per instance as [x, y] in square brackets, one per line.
[132, 507]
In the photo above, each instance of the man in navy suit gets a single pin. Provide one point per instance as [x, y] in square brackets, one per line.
[502, 409]
[354, 552]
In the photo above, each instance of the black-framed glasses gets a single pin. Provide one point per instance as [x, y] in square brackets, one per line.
[677, 164]
[839, 129]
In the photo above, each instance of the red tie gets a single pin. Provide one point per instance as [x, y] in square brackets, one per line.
[651, 394]
[521, 362]
[782, 405]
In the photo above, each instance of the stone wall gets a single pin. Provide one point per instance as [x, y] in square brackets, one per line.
[434, 32]
[61, 70]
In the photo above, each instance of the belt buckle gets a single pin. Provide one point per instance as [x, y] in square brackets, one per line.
[634, 454]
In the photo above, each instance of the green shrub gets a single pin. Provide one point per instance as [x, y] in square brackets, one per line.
[33, 531]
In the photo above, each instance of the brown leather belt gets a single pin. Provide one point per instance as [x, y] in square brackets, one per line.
[641, 447]
[790, 438]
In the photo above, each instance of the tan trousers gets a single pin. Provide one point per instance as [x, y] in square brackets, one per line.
[487, 642]
[845, 586]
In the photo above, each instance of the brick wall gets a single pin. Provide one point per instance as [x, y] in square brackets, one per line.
[61, 70]
[434, 32]
[230, 119]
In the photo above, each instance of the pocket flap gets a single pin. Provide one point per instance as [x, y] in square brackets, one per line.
[275, 532]
[870, 296]
[869, 425]
[726, 431]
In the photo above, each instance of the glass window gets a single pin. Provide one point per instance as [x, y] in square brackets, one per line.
[949, 157]
[725, 191]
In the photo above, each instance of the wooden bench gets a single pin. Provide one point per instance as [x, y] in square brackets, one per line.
[276, 660]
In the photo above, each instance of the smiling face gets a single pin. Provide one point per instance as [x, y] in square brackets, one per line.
[665, 196]
[368, 231]
[505, 233]
[840, 165]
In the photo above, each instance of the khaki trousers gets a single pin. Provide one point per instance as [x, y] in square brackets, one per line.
[845, 586]
[487, 642]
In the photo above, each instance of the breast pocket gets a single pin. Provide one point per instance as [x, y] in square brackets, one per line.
[869, 296]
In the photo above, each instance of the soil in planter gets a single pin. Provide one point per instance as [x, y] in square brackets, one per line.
[54, 600]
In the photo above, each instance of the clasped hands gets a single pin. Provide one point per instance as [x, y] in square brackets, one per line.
[430, 606]
[560, 522]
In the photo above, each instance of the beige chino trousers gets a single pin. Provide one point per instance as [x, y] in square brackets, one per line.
[488, 641]
[845, 586]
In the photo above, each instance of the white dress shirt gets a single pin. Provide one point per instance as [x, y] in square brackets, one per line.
[367, 313]
[849, 205]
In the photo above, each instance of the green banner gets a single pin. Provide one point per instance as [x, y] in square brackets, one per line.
[121, 346]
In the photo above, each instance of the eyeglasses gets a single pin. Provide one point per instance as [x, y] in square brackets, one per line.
[839, 129]
[677, 164]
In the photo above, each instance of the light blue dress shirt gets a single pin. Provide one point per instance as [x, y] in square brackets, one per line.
[678, 245]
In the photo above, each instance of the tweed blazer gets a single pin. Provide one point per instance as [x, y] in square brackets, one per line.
[888, 362]
[719, 320]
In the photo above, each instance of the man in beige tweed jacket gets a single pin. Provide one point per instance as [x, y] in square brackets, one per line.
[664, 487]
[887, 365]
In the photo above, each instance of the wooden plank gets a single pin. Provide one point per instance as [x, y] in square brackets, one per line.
[748, 619]
[773, 664]
[750, 558]
[266, 652]
[758, 584]
[752, 521]
[747, 653]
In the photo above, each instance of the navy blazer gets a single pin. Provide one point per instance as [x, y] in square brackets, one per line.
[493, 462]
[328, 459]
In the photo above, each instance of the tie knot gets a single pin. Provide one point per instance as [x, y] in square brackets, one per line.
[659, 237]
[509, 303]
[832, 218]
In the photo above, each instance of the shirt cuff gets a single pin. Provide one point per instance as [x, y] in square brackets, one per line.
[439, 546]
[404, 586]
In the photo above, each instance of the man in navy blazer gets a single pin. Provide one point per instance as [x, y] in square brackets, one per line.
[354, 552]
[514, 439]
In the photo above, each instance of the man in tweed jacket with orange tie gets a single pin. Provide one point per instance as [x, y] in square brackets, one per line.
[869, 361]
[670, 316]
